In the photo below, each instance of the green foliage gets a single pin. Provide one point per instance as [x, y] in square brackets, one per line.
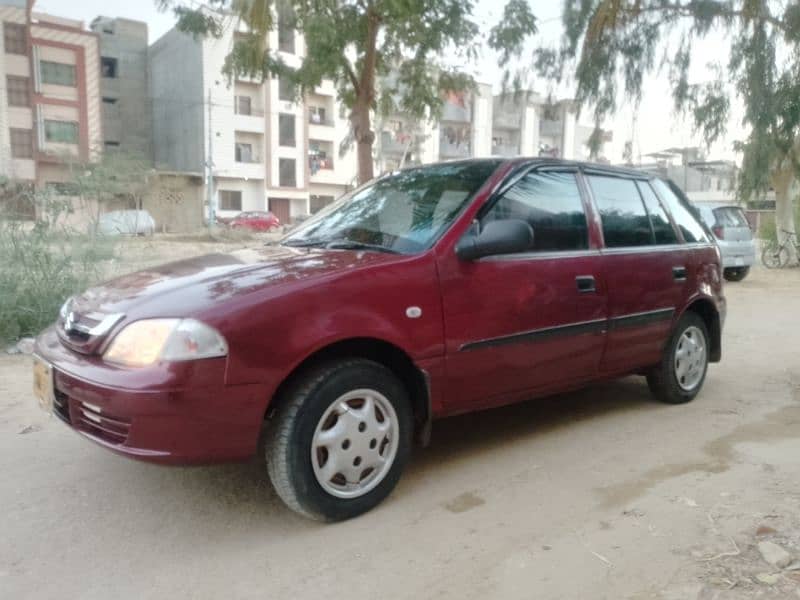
[42, 263]
[382, 55]
[613, 44]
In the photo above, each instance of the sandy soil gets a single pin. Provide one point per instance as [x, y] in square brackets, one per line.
[592, 495]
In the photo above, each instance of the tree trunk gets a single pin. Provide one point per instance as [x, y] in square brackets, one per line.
[364, 137]
[365, 98]
[784, 209]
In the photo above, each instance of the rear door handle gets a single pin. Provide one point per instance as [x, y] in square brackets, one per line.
[679, 273]
[585, 284]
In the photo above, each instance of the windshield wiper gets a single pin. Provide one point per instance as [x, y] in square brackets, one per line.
[306, 243]
[345, 244]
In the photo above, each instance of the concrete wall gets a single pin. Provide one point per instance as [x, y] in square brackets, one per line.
[176, 202]
[11, 64]
[177, 90]
[128, 120]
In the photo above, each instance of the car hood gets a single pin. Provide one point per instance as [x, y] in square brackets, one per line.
[187, 287]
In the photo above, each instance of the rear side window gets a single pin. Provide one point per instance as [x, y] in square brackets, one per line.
[551, 203]
[730, 216]
[662, 228]
[692, 230]
[625, 220]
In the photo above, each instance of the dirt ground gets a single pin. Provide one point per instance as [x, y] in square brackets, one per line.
[601, 494]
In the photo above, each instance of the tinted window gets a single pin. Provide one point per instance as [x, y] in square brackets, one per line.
[551, 203]
[662, 228]
[689, 225]
[625, 221]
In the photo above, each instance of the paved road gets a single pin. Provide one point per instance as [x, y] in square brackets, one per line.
[597, 494]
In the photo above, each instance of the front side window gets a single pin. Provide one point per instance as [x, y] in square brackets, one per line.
[692, 230]
[402, 212]
[61, 132]
[625, 220]
[551, 204]
[55, 73]
[662, 228]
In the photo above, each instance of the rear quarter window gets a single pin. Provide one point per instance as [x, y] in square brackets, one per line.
[685, 219]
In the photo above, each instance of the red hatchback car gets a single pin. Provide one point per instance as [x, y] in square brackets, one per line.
[428, 292]
[253, 220]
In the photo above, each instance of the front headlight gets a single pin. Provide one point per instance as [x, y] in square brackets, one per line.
[143, 343]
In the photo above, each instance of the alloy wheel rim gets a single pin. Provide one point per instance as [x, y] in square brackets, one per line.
[355, 443]
[690, 358]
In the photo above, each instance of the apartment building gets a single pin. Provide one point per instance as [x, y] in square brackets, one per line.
[267, 147]
[526, 124]
[50, 108]
[124, 87]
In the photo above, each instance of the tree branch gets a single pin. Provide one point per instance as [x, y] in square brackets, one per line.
[348, 69]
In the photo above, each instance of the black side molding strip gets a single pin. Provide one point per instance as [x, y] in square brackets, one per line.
[538, 334]
[599, 325]
[639, 319]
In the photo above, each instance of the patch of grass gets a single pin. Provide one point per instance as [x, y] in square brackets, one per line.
[42, 264]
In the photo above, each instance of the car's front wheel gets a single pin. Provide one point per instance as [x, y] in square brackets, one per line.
[735, 273]
[682, 370]
[340, 439]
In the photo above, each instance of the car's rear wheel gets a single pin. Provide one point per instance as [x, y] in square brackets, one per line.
[680, 375]
[340, 439]
[735, 273]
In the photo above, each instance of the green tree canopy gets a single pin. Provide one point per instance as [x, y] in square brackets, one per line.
[359, 43]
[613, 44]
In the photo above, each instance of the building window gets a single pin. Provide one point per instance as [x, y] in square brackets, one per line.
[317, 203]
[285, 90]
[58, 73]
[286, 20]
[244, 105]
[230, 200]
[18, 91]
[244, 153]
[61, 132]
[316, 115]
[21, 143]
[14, 38]
[111, 145]
[107, 100]
[287, 172]
[108, 67]
[286, 130]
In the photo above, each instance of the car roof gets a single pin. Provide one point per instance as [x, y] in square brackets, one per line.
[523, 161]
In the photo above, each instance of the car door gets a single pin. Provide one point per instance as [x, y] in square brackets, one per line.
[534, 321]
[646, 270]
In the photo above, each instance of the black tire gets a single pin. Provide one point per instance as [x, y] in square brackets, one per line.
[735, 273]
[662, 380]
[289, 437]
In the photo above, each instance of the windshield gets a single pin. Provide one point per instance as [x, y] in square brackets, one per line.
[402, 212]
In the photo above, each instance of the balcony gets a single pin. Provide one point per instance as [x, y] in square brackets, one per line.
[398, 143]
[550, 128]
[505, 149]
[456, 113]
[449, 149]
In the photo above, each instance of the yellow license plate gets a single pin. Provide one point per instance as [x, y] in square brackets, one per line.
[43, 383]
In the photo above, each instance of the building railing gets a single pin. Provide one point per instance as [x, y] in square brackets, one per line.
[317, 163]
[317, 120]
[454, 149]
[550, 128]
[505, 149]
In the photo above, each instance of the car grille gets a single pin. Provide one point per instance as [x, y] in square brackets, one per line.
[84, 333]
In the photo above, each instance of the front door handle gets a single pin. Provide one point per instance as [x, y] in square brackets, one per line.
[679, 273]
[585, 284]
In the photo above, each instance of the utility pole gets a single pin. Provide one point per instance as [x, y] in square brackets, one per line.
[212, 213]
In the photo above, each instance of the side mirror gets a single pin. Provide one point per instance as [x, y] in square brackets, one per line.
[505, 236]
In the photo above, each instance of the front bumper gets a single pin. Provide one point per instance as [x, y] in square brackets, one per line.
[172, 413]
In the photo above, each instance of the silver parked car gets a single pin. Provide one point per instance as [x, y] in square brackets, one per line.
[733, 235]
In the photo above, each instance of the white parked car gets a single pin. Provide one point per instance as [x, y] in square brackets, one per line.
[733, 236]
[126, 222]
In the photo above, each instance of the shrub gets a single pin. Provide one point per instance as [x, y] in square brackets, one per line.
[42, 262]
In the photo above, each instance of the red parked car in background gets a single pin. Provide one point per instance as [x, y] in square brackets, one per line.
[429, 292]
[253, 220]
